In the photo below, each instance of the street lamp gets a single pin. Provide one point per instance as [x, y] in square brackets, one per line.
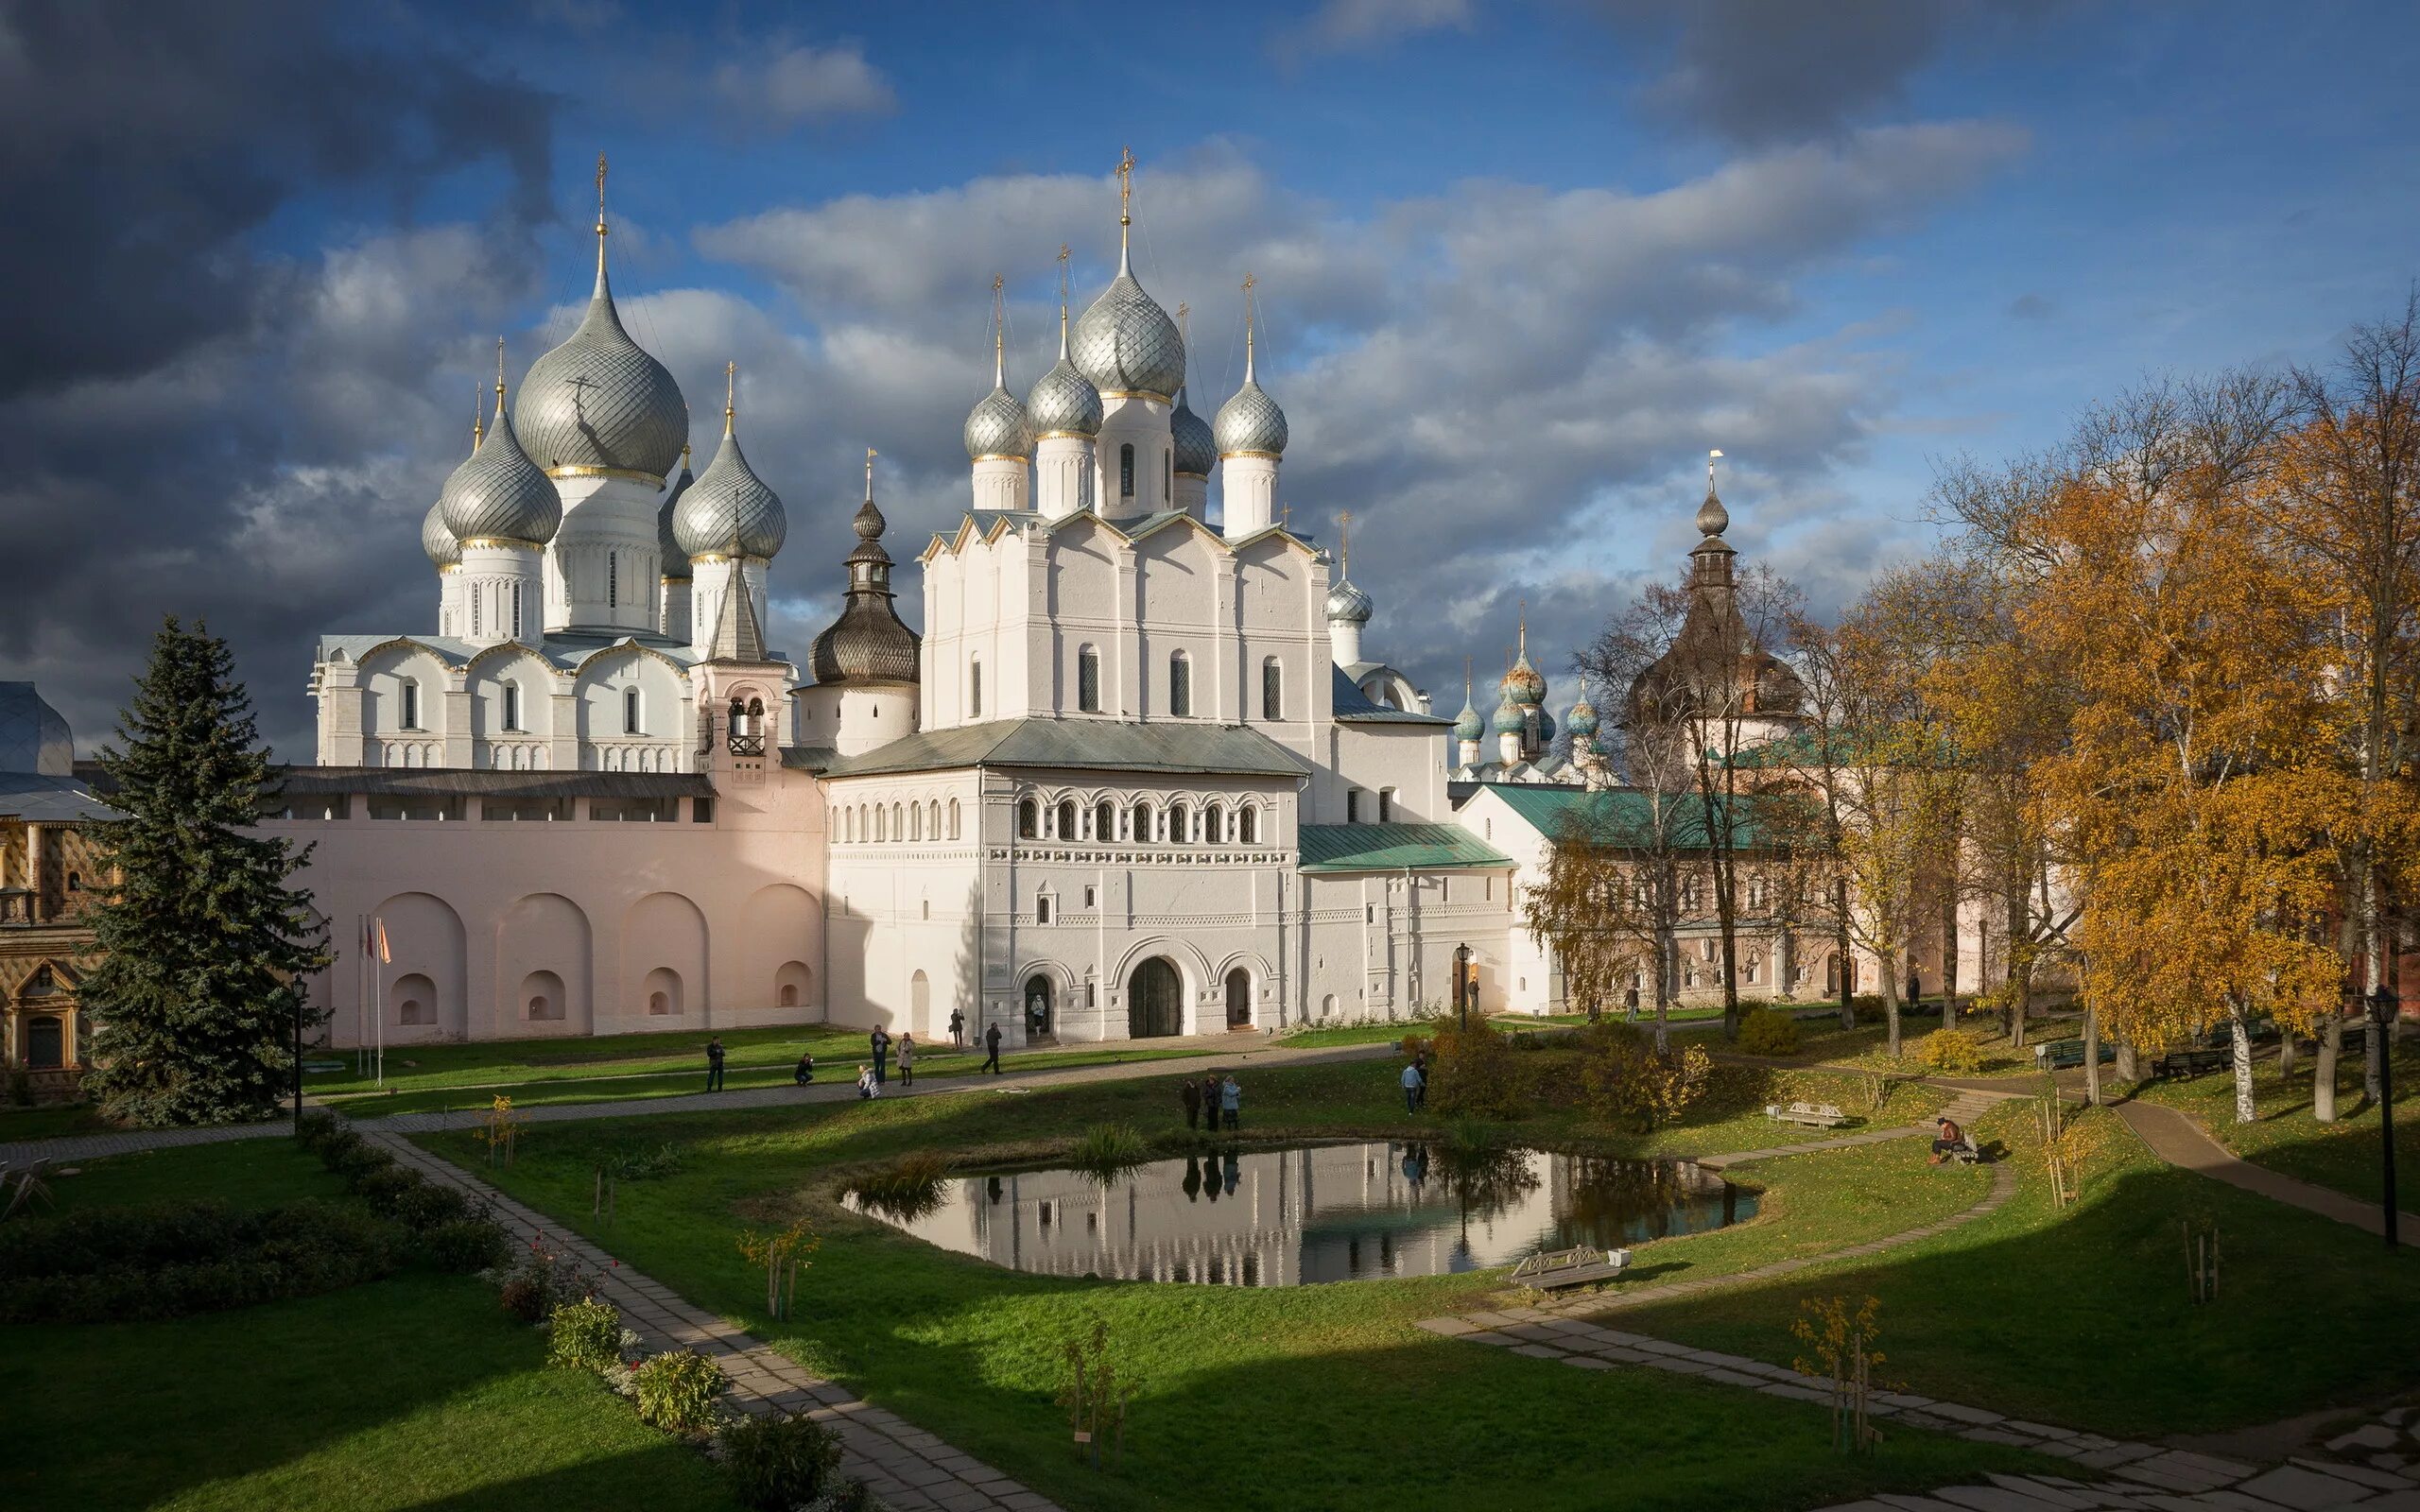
[1463, 994]
[2384, 1005]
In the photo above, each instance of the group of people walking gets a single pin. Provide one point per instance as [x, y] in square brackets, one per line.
[876, 1073]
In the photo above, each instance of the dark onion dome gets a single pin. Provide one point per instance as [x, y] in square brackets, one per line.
[443, 550]
[1126, 344]
[676, 561]
[1197, 447]
[499, 494]
[729, 511]
[1713, 519]
[868, 642]
[598, 404]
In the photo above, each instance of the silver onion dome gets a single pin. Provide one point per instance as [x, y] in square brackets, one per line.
[1064, 403]
[675, 560]
[1126, 344]
[998, 426]
[443, 550]
[729, 510]
[1251, 424]
[499, 493]
[1197, 448]
[600, 402]
[1347, 604]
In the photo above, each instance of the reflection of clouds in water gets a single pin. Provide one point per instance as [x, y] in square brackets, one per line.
[1321, 1212]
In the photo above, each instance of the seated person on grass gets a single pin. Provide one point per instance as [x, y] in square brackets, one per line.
[805, 1072]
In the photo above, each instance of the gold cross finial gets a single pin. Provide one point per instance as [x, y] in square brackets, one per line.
[601, 193]
[1125, 186]
[730, 394]
[999, 332]
[1249, 284]
[1345, 561]
[1466, 681]
[1063, 301]
[499, 378]
[478, 416]
[1525, 630]
[871, 455]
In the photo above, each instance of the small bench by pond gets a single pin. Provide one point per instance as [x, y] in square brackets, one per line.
[1814, 1115]
[1556, 1269]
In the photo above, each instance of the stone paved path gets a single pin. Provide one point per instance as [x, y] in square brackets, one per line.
[908, 1468]
[1031, 1072]
[2175, 1137]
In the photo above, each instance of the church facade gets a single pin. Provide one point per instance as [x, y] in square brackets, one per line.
[1135, 778]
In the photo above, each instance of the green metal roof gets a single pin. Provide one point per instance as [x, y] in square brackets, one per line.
[1617, 813]
[1082, 744]
[1393, 847]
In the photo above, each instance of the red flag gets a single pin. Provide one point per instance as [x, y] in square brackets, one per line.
[379, 925]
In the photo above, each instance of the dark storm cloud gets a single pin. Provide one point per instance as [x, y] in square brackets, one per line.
[196, 424]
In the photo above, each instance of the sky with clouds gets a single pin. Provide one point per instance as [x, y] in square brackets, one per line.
[1521, 262]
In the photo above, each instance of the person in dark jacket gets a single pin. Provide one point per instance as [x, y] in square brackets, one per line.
[992, 1042]
[1189, 1091]
[714, 1064]
[958, 1027]
[879, 1042]
[804, 1071]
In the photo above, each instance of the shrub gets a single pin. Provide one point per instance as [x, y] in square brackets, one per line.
[677, 1390]
[385, 1188]
[523, 1298]
[1472, 1074]
[541, 1280]
[584, 1335]
[907, 1189]
[355, 1159]
[112, 1265]
[464, 1246]
[779, 1459]
[317, 1129]
[1953, 1052]
[429, 1205]
[1767, 1032]
[1106, 1149]
[1628, 1080]
[1413, 1046]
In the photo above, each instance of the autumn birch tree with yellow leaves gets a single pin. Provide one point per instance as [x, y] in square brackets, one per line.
[2200, 775]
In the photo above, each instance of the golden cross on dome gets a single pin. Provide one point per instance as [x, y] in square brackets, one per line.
[1345, 561]
[730, 394]
[999, 332]
[601, 193]
[499, 375]
[1125, 186]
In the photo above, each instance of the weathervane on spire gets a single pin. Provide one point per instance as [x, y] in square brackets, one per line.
[1062, 299]
[1249, 284]
[1709, 468]
[999, 332]
[871, 455]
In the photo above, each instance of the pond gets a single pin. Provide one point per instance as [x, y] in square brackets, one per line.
[1326, 1212]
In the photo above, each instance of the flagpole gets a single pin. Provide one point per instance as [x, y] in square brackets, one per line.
[361, 999]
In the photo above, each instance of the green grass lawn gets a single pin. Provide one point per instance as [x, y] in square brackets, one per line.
[53, 1121]
[633, 1067]
[413, 1392]
[2081, 1316]
[2285, 1137]
[1866, 1046]
[1280, 1398]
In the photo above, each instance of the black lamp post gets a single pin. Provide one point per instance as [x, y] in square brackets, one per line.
[2384, 1005]
[1463, 993]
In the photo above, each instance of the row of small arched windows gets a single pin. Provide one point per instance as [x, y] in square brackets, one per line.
[867, 823]
[1108, 823]
[1179, 686]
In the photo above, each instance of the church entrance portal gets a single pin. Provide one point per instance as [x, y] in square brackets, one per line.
[1154, 999]
[1238, 998]
[1040, 1021]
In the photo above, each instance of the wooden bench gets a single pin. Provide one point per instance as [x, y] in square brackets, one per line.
[1552, 1270]
[1967, 1152]
[2184, 1065]
[2063, 1055]
[1815, 1115]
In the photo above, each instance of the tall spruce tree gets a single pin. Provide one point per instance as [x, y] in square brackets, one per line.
[206, 951]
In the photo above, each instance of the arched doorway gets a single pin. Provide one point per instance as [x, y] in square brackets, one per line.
[1154, 999]
[920, 1005]
[1041, 1020]
[1238, 998]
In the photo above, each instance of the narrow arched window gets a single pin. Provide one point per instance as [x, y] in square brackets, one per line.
[1167, 475]
[478, 592]
[952, 818]
[1139, 825]
[1213, 825]
[1179, 831]
[613, 579]
[881, 827]
[1179, 686]
[898, 823]
[975, 688]
[411, 703]
[1029, 819]
[1067, 817]
[512, 705]
[630, 724]
[1272, 689]
[1104, 822]
[1248, 825]
[933, 818]
[1088, 679]
[516, 608]
[848, 826]
[915, 822]
[1126, 471]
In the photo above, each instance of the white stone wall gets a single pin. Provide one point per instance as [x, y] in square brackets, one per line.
[604, 565]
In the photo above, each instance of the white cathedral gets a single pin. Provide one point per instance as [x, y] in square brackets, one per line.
[1137, 776]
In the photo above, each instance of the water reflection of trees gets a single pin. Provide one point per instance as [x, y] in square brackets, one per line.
[1483, 1182]
[1608, 1195]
